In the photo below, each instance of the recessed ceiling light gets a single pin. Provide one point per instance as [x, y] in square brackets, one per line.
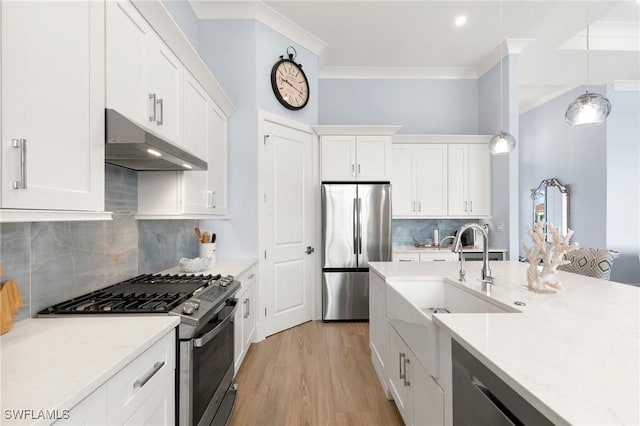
[461, 20]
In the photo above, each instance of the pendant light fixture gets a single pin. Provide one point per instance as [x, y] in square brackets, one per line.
[589, 109]
[502, 142]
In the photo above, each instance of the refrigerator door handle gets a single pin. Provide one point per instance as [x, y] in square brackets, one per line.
[360, 225]
[355, 226]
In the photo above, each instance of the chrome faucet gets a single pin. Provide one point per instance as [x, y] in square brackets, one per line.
[487, 279]
[445, 239]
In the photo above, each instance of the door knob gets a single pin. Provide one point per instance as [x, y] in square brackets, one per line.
[309, 250]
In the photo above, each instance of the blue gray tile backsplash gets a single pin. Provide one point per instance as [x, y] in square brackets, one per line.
[54, 261]
[405, 230]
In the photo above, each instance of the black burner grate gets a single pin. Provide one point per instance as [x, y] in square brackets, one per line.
[142, 294]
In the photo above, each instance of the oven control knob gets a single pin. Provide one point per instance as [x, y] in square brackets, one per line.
[188, 308]
[196, 304]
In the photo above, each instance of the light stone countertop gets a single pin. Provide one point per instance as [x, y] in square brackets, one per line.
[574, 355]
[235, 267]
[54, 363]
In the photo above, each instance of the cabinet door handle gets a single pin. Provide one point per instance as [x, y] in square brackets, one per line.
[465, 206]
[406, 381]
[248, 307]
[419, 206]
[141, 382]
[471, 206]
[405, 260]
[401, 362]
[244, 315]
[215, 200]
[161, 103]
[152, 113]
[358, 169]
[353, 170]
[22, 145]
[413, 206]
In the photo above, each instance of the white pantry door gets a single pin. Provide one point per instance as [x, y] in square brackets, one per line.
[286, 185]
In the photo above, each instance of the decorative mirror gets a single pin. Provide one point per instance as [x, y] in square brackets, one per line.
[551, 204]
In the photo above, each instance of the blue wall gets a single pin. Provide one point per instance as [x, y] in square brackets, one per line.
[186, 19]
[241, 53]
[549, 148]
[623, 184]
[504, 168]
[419, 106]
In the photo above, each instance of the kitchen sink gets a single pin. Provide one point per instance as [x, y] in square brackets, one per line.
[411, 305]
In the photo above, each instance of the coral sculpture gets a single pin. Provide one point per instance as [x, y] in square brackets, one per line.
[552, 253]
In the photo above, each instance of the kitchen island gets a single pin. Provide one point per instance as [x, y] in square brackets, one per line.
[574, 356]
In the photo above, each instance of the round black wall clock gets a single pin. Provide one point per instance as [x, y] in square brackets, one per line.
[289, 82]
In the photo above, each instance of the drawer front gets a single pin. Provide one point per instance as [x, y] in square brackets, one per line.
[131, 387]
[439, 256]
[247, 279]
[406, 257]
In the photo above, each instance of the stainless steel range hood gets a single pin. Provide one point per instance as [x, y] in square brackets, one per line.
[131, 146]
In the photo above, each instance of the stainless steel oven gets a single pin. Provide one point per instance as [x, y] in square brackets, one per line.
[207, 393]
[206, 305]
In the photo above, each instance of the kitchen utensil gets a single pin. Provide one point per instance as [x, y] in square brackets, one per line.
[213, 238]
[11, 301]
[206, 238]
[198, 233]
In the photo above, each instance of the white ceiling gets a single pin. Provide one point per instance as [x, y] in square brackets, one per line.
[418, 39]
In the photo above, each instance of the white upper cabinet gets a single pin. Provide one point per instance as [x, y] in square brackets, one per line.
[469, 180]
[419, 180]
[356, 153]
[52, 106]
[144, 78]
[338, 158]
[191, 193]
[441, 176]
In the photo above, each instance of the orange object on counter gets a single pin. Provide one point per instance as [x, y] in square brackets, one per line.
[10, 302]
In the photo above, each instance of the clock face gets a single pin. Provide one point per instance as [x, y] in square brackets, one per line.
[290, 84]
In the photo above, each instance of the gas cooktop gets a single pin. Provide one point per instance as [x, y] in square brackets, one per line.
[143, 294]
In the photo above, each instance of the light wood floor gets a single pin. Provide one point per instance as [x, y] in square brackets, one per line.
[314, 374]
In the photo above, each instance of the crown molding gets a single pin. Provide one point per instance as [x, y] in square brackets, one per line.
[399, 73]
[260, 12]
[510, 46]
[346, 130]
[440, 139]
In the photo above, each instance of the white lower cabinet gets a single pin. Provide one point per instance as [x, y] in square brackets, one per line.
[142, 393]
[378, 338]
[418, 397]
[245, 316]
[91, 411]
[426, 256]
[145, 386]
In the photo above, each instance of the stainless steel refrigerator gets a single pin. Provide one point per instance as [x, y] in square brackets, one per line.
[356, 230]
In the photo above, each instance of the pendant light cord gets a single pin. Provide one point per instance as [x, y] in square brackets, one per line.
[501, 96]
[588, 19]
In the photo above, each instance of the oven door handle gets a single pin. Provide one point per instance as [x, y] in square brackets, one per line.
[203, 340]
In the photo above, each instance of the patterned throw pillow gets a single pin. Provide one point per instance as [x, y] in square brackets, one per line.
[591, 262]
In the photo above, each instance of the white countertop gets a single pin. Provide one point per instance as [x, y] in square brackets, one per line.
[414, 249]
[574, 355]
[235, 267]
[54, 363]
